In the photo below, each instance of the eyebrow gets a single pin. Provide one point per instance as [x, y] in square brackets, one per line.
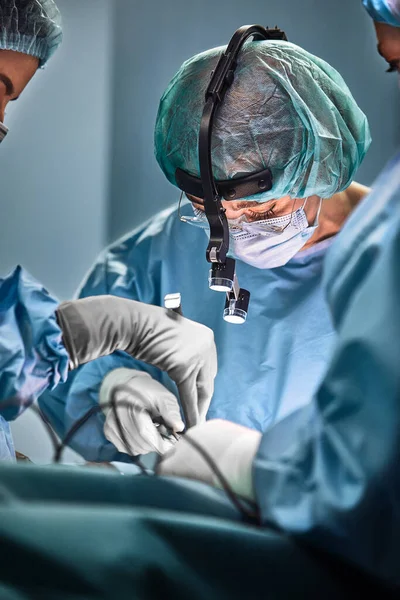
[246, 204]
[8, 84]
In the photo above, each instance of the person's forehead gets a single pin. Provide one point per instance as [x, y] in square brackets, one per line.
[388, 41]
[17, 68]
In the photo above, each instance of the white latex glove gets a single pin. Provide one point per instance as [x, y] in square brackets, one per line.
[97, 326]
[232, 447]
[144, 400]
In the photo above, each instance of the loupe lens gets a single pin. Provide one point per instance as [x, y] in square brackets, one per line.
[221, 276]
[219, 284]
[235, 315]
[236, 308]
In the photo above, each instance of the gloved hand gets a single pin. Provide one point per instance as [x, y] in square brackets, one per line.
[140, 402]
[232, 448]
[97, 326]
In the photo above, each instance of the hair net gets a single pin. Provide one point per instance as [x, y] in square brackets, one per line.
[31, 27]
[287, 110]
[384, 11]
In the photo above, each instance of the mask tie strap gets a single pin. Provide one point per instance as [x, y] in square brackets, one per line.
[179, 207]
[316, 222]
[305, 202]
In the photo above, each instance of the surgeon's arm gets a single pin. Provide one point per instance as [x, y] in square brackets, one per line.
[71, 401]
[53, 403]
[101, 325]
[333, 475]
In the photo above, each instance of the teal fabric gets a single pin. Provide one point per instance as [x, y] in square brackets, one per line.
[267, 367]
[93, 487]
[31, 27]
[286, 109]
[330, 473]
[86, 535]
[384, 11]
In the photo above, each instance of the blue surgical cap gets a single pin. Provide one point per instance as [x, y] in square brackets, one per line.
[31, 27]
[286, 109]
[384, 11]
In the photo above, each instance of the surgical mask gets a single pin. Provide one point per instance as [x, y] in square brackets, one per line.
[272, 243]
[264, 244]
[3, 131]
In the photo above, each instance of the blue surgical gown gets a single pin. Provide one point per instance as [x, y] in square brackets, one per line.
[32, 355]
[267, 367]
[330, 472]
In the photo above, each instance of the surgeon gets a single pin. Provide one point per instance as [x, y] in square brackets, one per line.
[301, 121]
[40, 341]
[329, 473]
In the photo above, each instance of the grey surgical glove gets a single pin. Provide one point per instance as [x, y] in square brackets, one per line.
[140, 404]
[185, 350]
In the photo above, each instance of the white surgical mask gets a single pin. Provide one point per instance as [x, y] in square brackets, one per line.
[273, 242]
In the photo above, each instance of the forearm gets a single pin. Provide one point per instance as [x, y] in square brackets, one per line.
[96, 327]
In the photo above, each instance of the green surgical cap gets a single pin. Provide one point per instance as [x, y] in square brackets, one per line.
[287, 110]
[31, 27]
